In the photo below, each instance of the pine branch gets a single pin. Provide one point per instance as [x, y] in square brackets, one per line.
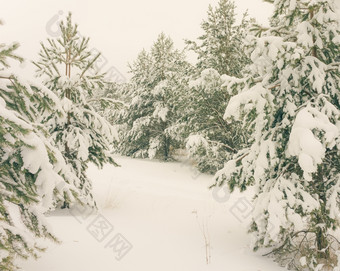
[90, 65]
[6, 77]
[8, 52]
[10, 78]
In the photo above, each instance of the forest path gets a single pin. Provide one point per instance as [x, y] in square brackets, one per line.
[153, 216]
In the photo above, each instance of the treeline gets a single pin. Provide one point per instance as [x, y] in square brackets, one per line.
[172, 104]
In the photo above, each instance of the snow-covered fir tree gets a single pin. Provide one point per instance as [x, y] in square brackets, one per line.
[67, 67]
[291, 104]
[159, 80]
[221, 45]
[32, 170]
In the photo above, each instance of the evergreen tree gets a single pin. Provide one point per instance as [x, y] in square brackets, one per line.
[291, 104]
[158, 84]
[221, 53]
[221, 45]
[210, 139]
[68, 68]
[32, 170]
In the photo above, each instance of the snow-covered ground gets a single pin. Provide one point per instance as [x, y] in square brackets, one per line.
[152, 216]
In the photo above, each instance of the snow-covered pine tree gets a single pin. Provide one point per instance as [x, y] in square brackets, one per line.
[291, 102]
[32, 170]
[159, 80]
[67, 67]
[220, 47]
[211, 139]
[220, 52]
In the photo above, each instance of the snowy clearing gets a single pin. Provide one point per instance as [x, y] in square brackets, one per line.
[162, 209]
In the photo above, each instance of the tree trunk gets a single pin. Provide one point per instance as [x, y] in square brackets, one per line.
[166, 147]
[68, 96]
[311, 15]
[322, 243]
[321, 230]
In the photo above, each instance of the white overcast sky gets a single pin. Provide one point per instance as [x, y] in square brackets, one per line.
[119, 29]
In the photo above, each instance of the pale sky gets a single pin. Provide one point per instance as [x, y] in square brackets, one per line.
[118, 29]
